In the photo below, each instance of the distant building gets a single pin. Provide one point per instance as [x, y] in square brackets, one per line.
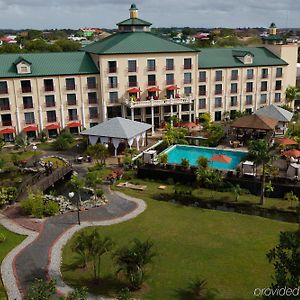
[89, 32]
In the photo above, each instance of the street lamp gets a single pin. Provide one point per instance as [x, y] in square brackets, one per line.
[71, 195]
[34, 148]
[294, 122]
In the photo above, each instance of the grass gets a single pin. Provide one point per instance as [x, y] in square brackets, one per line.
[227, 249]
[12, 240]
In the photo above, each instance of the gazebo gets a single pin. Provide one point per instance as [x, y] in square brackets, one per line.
[117, 130]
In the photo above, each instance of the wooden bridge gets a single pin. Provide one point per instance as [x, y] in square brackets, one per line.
[41, 181]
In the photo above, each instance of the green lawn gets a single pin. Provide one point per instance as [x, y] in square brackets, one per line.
[227, 249]
[12, 240]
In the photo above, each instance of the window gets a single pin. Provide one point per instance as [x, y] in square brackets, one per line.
[71, 99]
[50, 100]
[151, 64]
[4, 104]
[233, 101]
[249, 99]
[218, 89]
[114, 111]
[263, 98]
[24, 69]
[277, 97]
[232, 114]
[218, 102]
[25, 86]
[202, 103]
[132, 66]
[218, 116]
[264, 73]
[234, 74]
[70, 84]
[6, 120]
[202, 90]
[91, 82]
[3, 87]
[202, 76]
[219, 76]
[278, 85]
[92, 98]
[72, 114]
[93, 112]
[51, 116]
[264, 86]
[233, 88]
[169, 64]
[249, 87]
[112, 67]
[169, 79]
[113, 97]
[29, 118]
[278, 72]
[113, 82]
[48, 85]
[151, 80]
[250, 73]
[187, 63]
[27, 102]
[187, 90]
[187, 78]
[132, 81]
[248, 111]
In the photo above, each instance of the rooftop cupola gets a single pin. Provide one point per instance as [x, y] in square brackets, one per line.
[134, 23]
[272, 29]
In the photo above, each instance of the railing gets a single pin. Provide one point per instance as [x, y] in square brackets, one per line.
[71, 87]
[277, 88]
[250, 76]
[264, 76]
[202, 79]
[249, 90]
[279, 75]
[91, 86]
[132, 69]
[235, 77]
[26, 89]
[113, 85]
[71, 102]
[187, 81]
[112, 70]
[150, 83]
[51, 119]
[219, 78]
[218, 105]
[132, 83]
[202, 93]
[233, 91]
[170, 68]
[28, 105]
[218, 92]
[234, 103]
[249, 102]
[187, 67]
[93, 101]
[5, 107]
[93, 116]
[29, 121]
[264, 89]
[49, 88]
[151, 68]
[50, 104]
[202, 106]
[168, 82]
[4, 91]
[73, 117]
[6, 123]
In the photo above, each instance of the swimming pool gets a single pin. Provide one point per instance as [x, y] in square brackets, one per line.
[177, 152]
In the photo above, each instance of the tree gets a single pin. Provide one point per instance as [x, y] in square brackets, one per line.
[22, 141]
[41, 290]
[202, 162]
[132, 261]
[175, 136]
[78, 294]
[197, 290]
[99, 152]
[163, 159]
[77, 183]
[260, 153]
[2, 144]
[269, 188]
[185, 163]
[81, 247]
[291, 197]
[290, 94]
[67, 45]
[237, 191]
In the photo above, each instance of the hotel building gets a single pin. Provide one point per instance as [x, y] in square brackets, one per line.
[139, 75]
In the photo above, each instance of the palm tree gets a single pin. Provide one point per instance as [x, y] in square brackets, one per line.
[260, 153]
[237, 191]
[81, 247]
[133, 260]
[290, 94]
[98, 152]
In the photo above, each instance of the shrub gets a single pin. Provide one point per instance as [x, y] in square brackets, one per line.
[51, 208]
[2, 237]
[99, 193]
[185, 163]
[61, 144]
[7, 195]
[163, 158]
[202, 162]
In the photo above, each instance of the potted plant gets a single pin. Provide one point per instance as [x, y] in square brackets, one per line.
[185, 164]
[163, 159]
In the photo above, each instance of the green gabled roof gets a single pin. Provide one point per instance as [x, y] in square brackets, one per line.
[134, 21]
[135, 42]
[224, 58]
[48, 64]
[20, 59]
[239, 53]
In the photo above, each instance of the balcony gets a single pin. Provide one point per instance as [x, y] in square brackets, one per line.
[132, 84]
[187, 67]
[51, 119]
[279, 75]
[112, 70]
[250, 76]
[93, 116]
[70, 87]
[264, 89]
[219, 78]
[233, 91]
[132, 70]
[91, 86]
[202, 93]
[170, 68]
[249, 102]
[202, 106]
[278, 88]
[113, 85]
[28, 105]
[218, 105]
[151, 82]
[93, 101]
[6, 123]
[187, 81]
[234, 77]
[26, 89]
[50, 104]
[218, 92]
[151, 68]
[202, 79]
[4, 91]
[29, 121]
[170, 82]
[73, 117]
[49, 88]
[249, 90]
[264, 76]
[158, 102]
[71, 102]
[4, 107]
[234, 103]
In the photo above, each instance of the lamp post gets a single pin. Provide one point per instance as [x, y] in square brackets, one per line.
[34, 148]
[294, 122]
[71, 195]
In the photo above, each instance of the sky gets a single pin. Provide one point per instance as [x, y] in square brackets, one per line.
[46, 14]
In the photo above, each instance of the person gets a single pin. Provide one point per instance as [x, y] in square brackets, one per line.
[50, 166]
[46, 169]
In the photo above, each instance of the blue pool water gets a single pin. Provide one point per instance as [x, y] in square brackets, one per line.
[191, 153]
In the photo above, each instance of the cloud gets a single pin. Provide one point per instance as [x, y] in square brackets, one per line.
[106, 13]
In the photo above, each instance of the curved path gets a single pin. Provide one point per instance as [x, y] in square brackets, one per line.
[39, 256]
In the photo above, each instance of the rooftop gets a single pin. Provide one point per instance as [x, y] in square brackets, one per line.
[256, 122]
[275, 112]
[134, 21]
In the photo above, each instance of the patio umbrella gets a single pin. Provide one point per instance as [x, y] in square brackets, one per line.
[292, 153]
[189, 125]
[286, 141]
[221, 158]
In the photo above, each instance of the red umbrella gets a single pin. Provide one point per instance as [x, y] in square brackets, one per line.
[286, 141]
[134, 90]
[292, 153]
[189, 125]
[221, 158]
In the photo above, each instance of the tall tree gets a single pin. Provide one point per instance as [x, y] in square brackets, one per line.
[81, 247]
[290, 94]
[99, 152]
[260, 153]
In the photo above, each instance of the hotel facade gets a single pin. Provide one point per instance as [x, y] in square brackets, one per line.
[139, 75]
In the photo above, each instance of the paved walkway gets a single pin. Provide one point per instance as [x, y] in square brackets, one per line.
[39, 255]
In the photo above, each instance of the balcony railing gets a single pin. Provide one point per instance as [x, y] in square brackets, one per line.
[170, 68]
[112, 70]
[28, 105]
[113, 85]
[202, 93]
[51, 119]
[279, 75]
[50, 104]
[187, 81]
[202, 79]
[150, 83]
[234, 103]
[187, 67]
[249, 76]
[277, 88]
[29, 121]
[233, 91]
[4, 91]
[218, 92]
[234, 77]
[6, 123]
[132, 70]
[91, 86]
[219, 78]
[151, 68]
[170, 81]
[49, 88]
[132, 83]
[71, 87]
[218, 105]
[249, 102]
[264, 76]
[202, 106]
[93, 101]
[71, 102]
[73, 117]
[26, 89]
[249, 90]
[264, 89]
[5, 107]
[158, 102]
[93, 116]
